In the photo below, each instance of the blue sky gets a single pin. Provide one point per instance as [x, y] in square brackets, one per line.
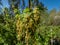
[50, 4]
[5, 4]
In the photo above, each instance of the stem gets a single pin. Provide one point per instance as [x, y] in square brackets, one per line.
[26, 37]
